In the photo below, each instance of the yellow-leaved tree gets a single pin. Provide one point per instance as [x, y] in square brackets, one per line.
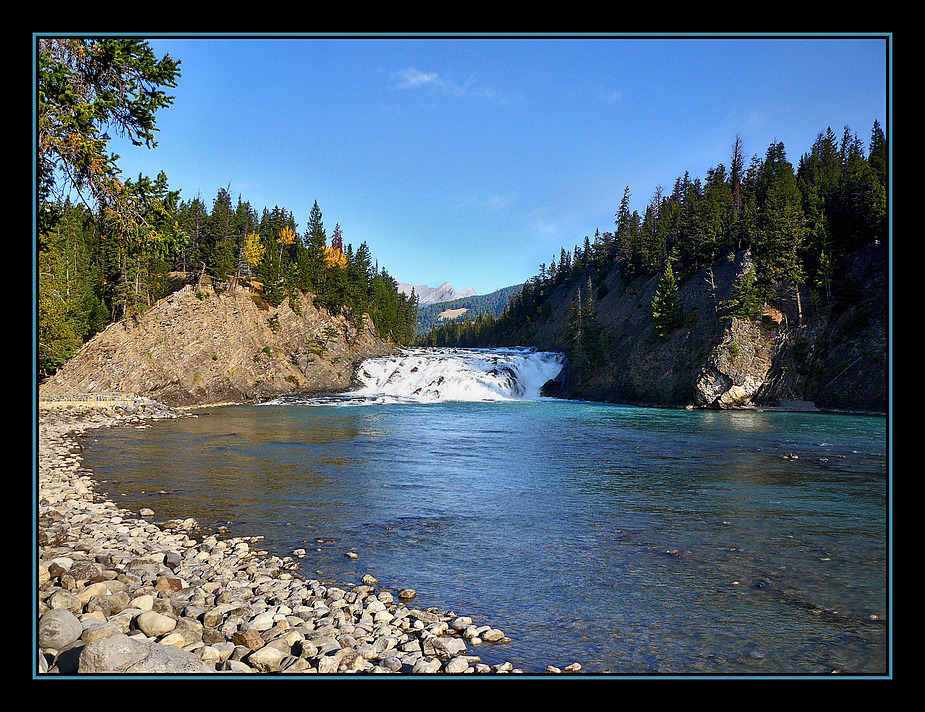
[286, 237]
[254, 249]
[334, 257]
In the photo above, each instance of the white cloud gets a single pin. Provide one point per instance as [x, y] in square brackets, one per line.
[608, 95]
[498, 202]
[412, 78]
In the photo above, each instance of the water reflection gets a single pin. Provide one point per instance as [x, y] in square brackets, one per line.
[630, 539]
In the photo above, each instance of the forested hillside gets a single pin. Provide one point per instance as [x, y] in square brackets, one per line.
[748, 246]
[799, 225]
[758, 240]
[476, 307]
[110, 247]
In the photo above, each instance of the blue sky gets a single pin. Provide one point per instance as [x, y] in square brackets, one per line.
[474, 160]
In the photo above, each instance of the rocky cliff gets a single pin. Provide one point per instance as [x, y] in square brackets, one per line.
[794, 355]
[204, 348]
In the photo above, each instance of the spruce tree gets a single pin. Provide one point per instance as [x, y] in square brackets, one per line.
[88, 88]
[747, 298]
[666, 305]
[271, 272]
[585, 339]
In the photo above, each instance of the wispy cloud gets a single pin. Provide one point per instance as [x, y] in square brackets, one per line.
[413, 78]
[608, 95]
[542, 222]
[498, 202]
[486, 203]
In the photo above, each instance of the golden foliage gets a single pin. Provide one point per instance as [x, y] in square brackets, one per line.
[286, 236]
[254, 249]
[334, 257]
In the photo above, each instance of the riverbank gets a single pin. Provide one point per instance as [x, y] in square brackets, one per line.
[121, 592]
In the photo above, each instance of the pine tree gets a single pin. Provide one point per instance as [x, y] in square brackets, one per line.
[629, 252]
[666, 305]
[245, 224]
[141, 251]
[781, 226]
[877, 154]
[654, 235]
[358, 275]
[87, 88]
[585, 339]
[272, 273]
[310, 255]
[222, 249]
[70, 288]
[191, 217]
[747, 299]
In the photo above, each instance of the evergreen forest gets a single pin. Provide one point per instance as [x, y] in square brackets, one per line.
[476, 305]
[799, 222]
[109, 247]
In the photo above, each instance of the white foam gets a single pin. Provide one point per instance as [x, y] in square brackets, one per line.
[433, 375]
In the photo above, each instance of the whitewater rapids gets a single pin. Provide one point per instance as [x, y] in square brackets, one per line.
[433, 375]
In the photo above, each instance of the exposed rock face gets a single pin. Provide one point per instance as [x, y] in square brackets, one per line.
[793, 355]
[837, 358]
[213, 348]
[737, 368]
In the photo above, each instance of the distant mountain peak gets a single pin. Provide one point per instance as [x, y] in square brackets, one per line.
[434, 295]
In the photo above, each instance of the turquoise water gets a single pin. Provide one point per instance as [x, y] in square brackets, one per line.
[634, 541]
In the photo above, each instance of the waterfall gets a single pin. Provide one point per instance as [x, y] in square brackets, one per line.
[432, 375]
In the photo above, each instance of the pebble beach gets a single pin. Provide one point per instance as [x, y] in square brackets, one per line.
[124, 593]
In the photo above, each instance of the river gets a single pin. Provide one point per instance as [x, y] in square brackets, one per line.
[636, 541]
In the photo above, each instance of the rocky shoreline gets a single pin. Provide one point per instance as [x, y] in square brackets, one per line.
[121, 594]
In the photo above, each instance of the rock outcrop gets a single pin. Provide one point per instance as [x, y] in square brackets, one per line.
[204, 348]
[796, 354]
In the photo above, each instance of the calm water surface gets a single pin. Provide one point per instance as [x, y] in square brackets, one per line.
[631, 540]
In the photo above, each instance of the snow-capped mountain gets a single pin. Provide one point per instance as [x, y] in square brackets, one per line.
[435, 295]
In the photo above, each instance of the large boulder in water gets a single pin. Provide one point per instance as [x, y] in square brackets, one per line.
[558, 387]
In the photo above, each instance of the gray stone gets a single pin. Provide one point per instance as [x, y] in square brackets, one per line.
[426, 665]
[291, 663]
[392, 663]
[236, 666]
[65, 599]
[328, 664]
[261, 622]
[122, 654]
[58, 628]
[95, 630]
[212, 606]
[351, 660]
[457, 665]
[444, 647]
